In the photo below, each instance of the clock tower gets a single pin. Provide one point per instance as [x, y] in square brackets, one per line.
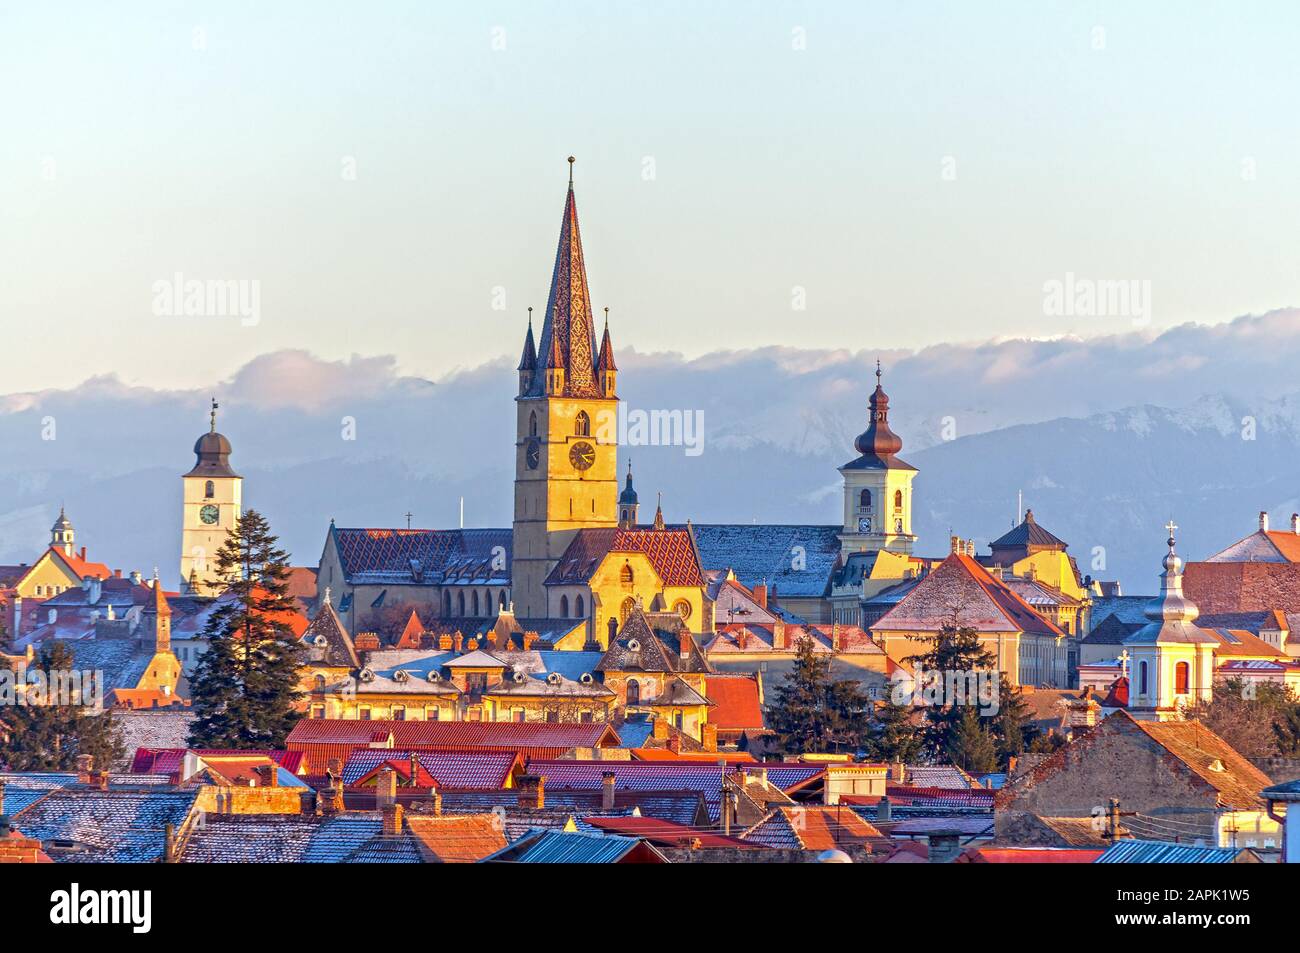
[877, 487]
[566, 445]
[213, 501]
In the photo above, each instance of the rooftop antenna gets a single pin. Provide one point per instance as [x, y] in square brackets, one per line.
[1020, 507]
[462, 512]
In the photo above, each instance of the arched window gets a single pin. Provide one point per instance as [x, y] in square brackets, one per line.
[633, 692]
[1142, 678]
[898, 499]
[564, 607]
[582, 424]
[446, 604]
[1182, 672]
[579, 608]
[532, 424]
[864, 500]
[320, 683]
[474, 601]
[626, 608]
[209, 489]
[501, 600]
[625, 574]
[460, 599]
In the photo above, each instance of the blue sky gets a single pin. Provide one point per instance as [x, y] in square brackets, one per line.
[129, 155]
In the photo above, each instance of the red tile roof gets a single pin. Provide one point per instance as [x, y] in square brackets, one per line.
[816, 827]
[671, 552]
[735, 702]
[1029, 855]
[666, 833]
[984, 603]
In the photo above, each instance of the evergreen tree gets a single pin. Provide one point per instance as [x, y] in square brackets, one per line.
[50, 732]
[954, 655]
[894, 734]
[971, 746]
[1010, 724]
[815, 712]
[245, 687]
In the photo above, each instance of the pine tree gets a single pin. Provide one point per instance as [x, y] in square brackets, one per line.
[1010, 725]
[50, 735]
[971, 746]
[954, 652]
[245, 687]
[815, 712]
[894, 734]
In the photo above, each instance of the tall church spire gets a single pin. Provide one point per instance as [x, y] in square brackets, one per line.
[568, 331]
[878, 441]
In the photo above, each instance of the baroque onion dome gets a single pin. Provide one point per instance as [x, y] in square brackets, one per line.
[1171, 605]
[629, 494]
[212, 452]
[878, 443]
[568, 331]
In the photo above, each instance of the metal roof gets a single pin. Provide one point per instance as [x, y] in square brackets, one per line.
[558, 847]
[1165, 852]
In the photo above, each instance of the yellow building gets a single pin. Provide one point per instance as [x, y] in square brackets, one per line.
[1035, 563]
[60, 568]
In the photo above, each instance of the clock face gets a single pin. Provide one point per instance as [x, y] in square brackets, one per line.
[864, 524]
[209, 514]
[533, 454]
[582, 455]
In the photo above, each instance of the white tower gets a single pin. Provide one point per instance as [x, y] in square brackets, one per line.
[877, 487]
[213, 501]
[62, 535]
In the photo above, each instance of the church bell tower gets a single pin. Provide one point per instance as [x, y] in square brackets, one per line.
[877, 487]
[566, 444]
[213, 494]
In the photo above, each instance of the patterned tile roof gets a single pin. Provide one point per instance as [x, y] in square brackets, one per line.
[423, 556]
[794, 561]
[671, 552]
[809, 827]
[982, 602]
[645, 643]
[277, 838]
[115, 826]
[479, 770]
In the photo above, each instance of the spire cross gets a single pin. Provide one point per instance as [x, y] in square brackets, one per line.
[607, 319]
[213, 415]
[530, 317]
[1171, 526]
[571, 161]
[408, 519]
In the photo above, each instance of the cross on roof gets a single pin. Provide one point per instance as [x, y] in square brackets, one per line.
[1171, 526]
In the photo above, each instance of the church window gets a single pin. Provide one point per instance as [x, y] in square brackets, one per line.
[1142, 678]
[446, 605]
[625, 575]
[474, 601]
[1181, 672]
[532, 424]
[460, 598]
[501, 600]
[209, 490]
[582, 424]
[682, 608]
[626, 608]
[898, 499]
[864, 500]
[633, 692]
[579, 608]
[564, 607]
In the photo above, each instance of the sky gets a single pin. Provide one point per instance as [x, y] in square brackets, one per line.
[390, 176]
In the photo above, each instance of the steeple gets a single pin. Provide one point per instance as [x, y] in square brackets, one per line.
[1171, 605]
[159, 615]
[568, 331]
[605, 366]
[528, 361]
[627, 503]
[212, 451]
[61, 534]
[878, 442]
[659, 512]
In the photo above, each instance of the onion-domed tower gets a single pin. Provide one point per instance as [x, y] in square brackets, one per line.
[213, 501]
[877, 487]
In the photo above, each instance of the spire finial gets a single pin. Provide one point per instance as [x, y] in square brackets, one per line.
[571, 161]
[213, 415]
[607, 319]
[530, 317]
[877, 372]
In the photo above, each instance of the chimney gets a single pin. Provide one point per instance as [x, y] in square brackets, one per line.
[437, 803]
[268, 776]
[457, 641]
[85, 765]
[607, 780]
[898, 772]
[531, 791]
[444, 642]
[660, 729]
[1263, 522]
[675, 743]
[684, 646]
[837, 640]
[760, 595]
[392, 820]
[2, 798]
[954, 544]
[1295, 523]
[386, 788]
[884, 810]
[709, 736]
[778, 636]
[944, 846]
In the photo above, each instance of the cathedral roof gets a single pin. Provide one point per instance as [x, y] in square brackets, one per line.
[671, 552]
[568, 331]
[423, 556]
[878, 444]
[793, 560]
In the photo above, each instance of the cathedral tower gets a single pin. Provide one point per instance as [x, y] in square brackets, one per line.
[213, 495]
[877, 487]
[566, 446]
